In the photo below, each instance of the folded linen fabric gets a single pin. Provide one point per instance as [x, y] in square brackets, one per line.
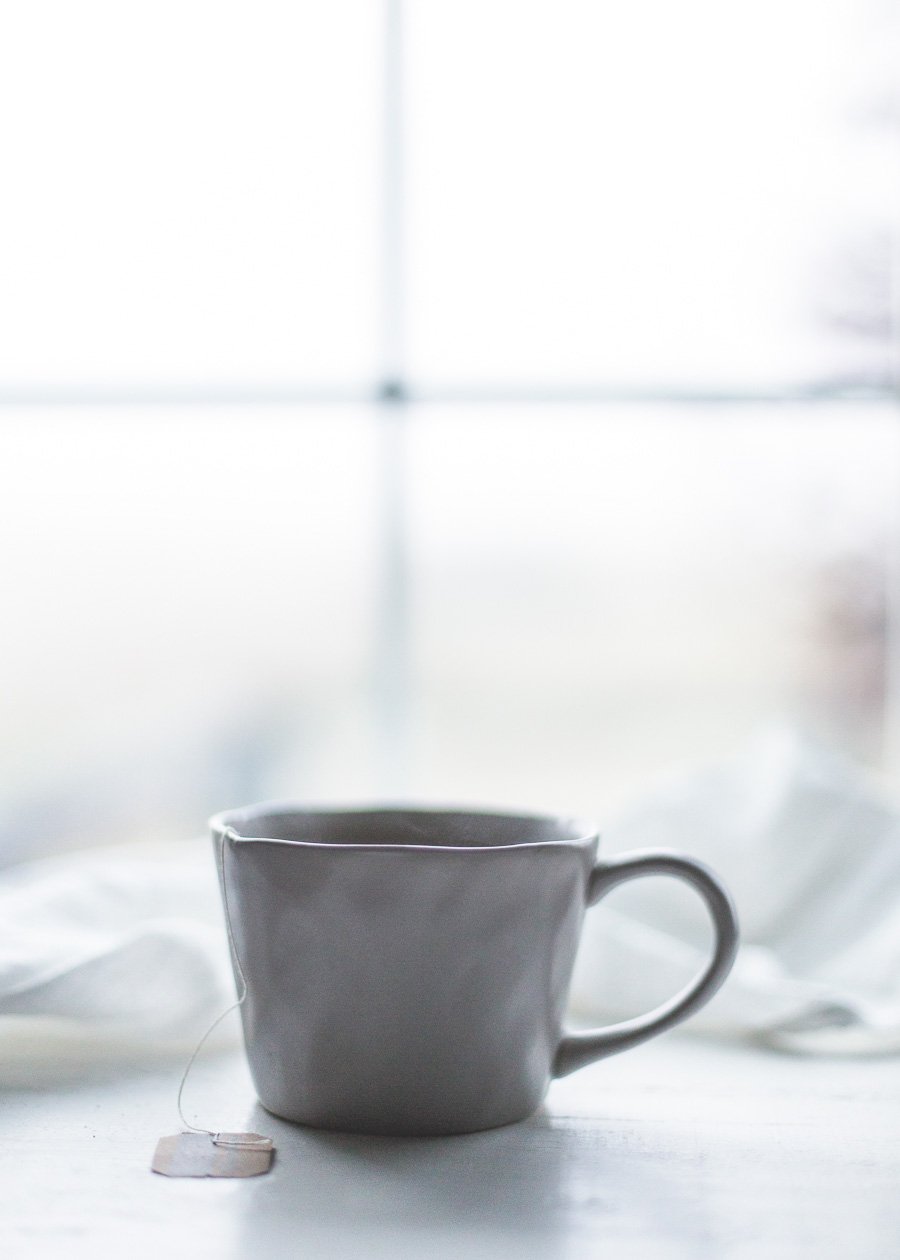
[127, 946]
[811, 853]
[124, 946]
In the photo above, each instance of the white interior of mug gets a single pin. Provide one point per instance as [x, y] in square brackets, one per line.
[390, 825]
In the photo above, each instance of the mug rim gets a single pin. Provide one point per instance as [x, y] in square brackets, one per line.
[226, 823]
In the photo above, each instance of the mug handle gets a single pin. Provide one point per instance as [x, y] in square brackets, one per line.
[580, 1048]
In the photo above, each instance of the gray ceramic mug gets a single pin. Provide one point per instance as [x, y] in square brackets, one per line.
[407, 969]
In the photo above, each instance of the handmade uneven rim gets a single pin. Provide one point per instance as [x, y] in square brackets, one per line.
[227, 823]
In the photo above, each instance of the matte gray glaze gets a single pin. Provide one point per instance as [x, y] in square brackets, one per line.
[407, 969]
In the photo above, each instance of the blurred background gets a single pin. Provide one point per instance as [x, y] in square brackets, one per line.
[490, 402]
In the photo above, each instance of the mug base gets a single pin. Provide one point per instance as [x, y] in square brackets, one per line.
[401, 1128]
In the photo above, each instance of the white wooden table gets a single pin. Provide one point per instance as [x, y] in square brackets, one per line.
[678, 1149]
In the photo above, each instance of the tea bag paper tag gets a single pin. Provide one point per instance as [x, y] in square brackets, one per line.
[213, 1155]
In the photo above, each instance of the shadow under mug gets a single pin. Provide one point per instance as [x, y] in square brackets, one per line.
[407, 970]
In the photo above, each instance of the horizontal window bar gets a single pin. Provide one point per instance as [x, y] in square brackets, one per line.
[395, 392]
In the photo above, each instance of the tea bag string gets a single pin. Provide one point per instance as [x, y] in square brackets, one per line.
[218, 1138]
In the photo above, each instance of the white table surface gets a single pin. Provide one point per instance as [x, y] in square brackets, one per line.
[678, 1149]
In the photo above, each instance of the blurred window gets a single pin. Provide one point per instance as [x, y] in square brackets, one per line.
[484, 400]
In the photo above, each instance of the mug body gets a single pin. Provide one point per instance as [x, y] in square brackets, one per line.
[407, 970]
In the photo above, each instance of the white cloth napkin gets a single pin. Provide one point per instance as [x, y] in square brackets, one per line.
[109, 955]
[128, 946]
[811, 854]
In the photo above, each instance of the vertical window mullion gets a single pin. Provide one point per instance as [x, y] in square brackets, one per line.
[391, 648]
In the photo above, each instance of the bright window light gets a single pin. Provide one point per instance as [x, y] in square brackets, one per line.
[189, 195]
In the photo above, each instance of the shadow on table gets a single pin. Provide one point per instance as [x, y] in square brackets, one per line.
[546, 1187]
